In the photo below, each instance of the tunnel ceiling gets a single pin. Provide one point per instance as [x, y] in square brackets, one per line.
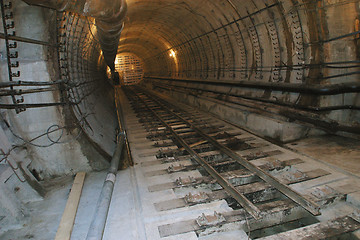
[258, 40]
[282, 42]
[250, 53]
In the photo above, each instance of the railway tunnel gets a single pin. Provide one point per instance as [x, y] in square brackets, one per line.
[274, 82]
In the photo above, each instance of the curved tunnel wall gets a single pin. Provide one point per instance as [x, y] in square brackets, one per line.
[83, 69]
[88, 111]
[274, 42]
[283, 42]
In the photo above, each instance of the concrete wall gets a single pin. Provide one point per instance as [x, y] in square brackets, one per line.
[87, 130]
[255, 41]
[279, 41]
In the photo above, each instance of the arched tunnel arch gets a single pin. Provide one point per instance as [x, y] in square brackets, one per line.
[278, 61]
[283, 70]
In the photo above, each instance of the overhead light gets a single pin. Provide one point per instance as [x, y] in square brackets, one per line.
[172, 53]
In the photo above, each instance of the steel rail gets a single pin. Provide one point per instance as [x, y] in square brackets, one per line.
[233, 192]
[306, 203]
[122, 122]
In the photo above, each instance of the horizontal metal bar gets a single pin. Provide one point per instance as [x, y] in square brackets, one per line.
[330, 89]
[27, 40]
[12, 92]
[341, 37]
[295, 112]
[307, 204]
[27, 83]
[31, 105]
[176, 88]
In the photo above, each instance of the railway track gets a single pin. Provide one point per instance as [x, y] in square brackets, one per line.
[270, 192]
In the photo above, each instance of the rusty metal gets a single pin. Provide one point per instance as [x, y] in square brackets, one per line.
[196, 198]
[329, 89]
[177, 168]
[27, 40]
[5, 8]
[306, 203]
[182, 182]
[28, 83]
[109, 20]
[27, 91]
[21, 107]
[233, 192]
[210, 220]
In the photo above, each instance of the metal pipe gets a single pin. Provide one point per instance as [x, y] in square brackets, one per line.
[98, 222]
[176, 88]
[32, 105]
[329, 126]
[27, 91]
[28, 83]
[332, 89]
[109, 20]
[27, 40]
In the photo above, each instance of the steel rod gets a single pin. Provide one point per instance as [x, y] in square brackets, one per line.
[26, 91]
[31, 105]
[27, 40]
[176, 88]
[332, 89]
[27, 83]
[341, 37]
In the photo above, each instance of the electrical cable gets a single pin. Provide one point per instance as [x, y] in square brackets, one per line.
[49, 130]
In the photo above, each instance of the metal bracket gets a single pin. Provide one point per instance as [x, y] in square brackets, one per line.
[15, 74]
[186, 181]
[356, 216]
[294, 176]
[13, 45]
[256, 155]
[14, 55]
[170, 159]
[178, 168]
[210, 220]
[15, 64]
[274, 165]
[196, 198]
[165, 153]
[324, 192]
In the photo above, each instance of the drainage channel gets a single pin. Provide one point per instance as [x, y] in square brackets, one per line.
[272, 193]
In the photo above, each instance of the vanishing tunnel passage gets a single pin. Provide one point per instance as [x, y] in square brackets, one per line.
[130, 67]
[291, 61]
[237, 71]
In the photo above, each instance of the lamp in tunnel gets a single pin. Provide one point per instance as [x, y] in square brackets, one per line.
[172, 53]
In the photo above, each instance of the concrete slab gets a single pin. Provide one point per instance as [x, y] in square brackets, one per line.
[342, 153]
